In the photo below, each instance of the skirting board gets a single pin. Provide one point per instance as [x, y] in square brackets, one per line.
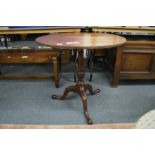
[96, 126]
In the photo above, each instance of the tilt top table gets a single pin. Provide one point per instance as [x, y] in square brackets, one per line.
[80, 41]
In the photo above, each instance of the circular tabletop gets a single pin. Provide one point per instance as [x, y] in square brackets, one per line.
[82, 40]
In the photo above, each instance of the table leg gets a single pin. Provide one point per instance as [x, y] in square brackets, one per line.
[90, 89]
[80, 88]
[117, 67]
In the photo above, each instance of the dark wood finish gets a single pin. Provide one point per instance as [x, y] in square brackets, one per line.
[30, 57]
[128, 71]
[26, 57]
[56, 71]
[80, 41]
[80, 88]
[117, 66]
[136, 62]
[137, 75]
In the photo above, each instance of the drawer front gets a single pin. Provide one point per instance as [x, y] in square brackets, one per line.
[26, 57]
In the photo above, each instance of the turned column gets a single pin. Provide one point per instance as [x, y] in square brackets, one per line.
[80, 67]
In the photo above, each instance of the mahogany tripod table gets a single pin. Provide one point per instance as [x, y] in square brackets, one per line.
[79, 42]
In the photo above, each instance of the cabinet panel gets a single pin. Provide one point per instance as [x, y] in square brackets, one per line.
[153, 63]
[136, 62]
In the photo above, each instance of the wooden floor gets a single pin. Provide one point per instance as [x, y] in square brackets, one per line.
[97, 126]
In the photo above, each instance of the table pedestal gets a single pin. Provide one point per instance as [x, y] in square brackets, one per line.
[80, 88]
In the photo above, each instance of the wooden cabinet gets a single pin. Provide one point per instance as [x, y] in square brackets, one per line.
[30, 56]
[137, 61]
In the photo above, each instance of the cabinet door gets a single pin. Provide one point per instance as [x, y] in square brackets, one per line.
[136, 61]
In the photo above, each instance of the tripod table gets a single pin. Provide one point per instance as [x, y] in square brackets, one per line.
[79, 42]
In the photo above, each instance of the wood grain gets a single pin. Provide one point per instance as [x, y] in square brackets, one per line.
[82, 40]
[137, 61]
[27, 57]
[30, 57]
